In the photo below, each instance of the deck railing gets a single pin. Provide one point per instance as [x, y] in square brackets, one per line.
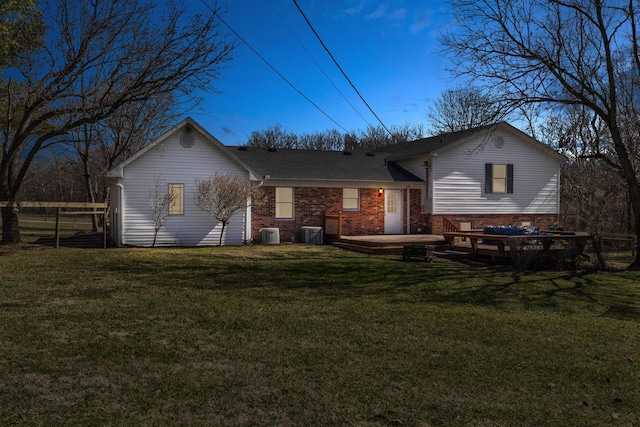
[332, 226]
[448, 226]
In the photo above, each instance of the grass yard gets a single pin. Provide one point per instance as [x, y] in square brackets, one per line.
[308, 335]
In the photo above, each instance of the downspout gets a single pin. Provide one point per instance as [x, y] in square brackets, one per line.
[247, 224]
[408, 214]
[120, 215]
[558, 192]
[249, 218]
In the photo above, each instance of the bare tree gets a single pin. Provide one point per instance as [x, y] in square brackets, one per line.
[224, 195]
[159, 199]
[100, 57]
[98, 147]
[369, 139]
[330, 140]
[275, 136]
[463, 108]
[593, 196]
[557, 52]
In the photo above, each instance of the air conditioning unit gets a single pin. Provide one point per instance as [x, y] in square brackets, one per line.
[270, 236]
[311, 235]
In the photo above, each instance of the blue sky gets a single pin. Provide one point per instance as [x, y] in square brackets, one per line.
[387, 48]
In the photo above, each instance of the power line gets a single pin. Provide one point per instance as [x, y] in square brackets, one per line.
[273, 68]
[340, 68]
[317, 64]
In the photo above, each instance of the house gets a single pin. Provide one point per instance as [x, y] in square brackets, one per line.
[175, 160]
[494, 175]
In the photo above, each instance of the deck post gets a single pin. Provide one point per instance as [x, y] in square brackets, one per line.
[57, 233]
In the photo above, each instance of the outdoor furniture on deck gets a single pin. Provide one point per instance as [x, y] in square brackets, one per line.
[500, 243]
[418, 251]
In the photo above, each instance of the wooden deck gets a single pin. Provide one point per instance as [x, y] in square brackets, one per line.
[388, 244]
[499, 246]
[473, 243]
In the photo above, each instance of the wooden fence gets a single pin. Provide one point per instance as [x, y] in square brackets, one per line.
[67, 208]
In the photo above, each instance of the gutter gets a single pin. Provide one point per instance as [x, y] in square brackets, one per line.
[120, 215]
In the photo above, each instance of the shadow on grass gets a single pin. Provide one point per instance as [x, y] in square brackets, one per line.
[294, 276]
[87, 240]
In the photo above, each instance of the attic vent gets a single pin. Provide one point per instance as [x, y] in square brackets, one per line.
[370, 154]
[243, 148]
[346, 153]
[272, 149]
[499, 142]
[187, 140]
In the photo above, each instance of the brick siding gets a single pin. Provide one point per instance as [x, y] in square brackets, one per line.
[310, 206]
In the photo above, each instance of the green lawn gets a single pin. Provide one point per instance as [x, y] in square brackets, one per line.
[307, 335]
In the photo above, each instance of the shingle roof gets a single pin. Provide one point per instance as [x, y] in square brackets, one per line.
[433, 144]
[322, 165]
[428, 145]
[379, 166]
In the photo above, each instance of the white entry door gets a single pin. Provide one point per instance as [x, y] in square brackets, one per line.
[393, 212]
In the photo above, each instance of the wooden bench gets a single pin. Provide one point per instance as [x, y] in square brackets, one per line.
[501, 241]
[417, 251]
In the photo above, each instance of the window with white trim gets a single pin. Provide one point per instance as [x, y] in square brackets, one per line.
[284, 203]
[498, 178]
[350, 199]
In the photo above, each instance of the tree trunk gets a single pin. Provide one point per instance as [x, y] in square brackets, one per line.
[224, 225]
[597, 248]
[633, 186]
[91, 196]
[636, 262]
[10, 225]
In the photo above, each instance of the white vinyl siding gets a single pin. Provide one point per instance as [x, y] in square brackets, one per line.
[458, 176]
[350, 199]
[166, 161]
[284, 203]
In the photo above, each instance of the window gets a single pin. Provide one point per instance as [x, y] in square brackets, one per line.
[176, 199]
[350, 199]
[284, 203]
[498, 178]
[393, 202]
[527, 223]
[466, 226]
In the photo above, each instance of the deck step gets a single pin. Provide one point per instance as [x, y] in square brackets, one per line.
[369, 249]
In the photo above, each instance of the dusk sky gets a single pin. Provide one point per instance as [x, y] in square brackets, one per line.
[388, 49]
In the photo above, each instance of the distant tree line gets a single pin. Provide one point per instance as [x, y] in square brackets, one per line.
[372, 137]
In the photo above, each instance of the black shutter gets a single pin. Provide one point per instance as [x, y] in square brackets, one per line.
[488, 178]
[510, 178]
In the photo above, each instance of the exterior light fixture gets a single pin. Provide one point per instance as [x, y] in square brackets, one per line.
[380, 191]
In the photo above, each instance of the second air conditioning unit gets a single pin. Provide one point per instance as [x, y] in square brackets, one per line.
[311, 235]
[270, 236]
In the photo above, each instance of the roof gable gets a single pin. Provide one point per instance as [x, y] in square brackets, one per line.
[118, 171]
[443, 142]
